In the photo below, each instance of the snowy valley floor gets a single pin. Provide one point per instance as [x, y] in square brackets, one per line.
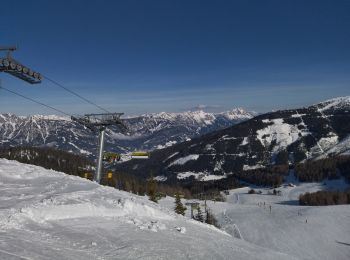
[49, 215]
[326, 235]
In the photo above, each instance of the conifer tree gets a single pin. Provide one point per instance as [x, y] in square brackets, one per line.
[199, 216]
[210, 219]
[152, 189]
[179, 207]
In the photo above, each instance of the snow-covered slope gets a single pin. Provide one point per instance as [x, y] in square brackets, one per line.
[334, 103]
[147, 132]
[325, 235]
[280, 137]
[49, 215]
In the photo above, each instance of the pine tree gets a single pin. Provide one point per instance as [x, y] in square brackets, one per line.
[152, 189]
[199, 216]
[179, 207]
[210, 219]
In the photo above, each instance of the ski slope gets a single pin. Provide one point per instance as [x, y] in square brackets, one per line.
[326, 235]
[49, 215]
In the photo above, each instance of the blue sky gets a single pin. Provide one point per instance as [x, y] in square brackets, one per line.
[150, 56]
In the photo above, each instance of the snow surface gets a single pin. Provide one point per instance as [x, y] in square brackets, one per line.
[200, 176]
[252, 167]
[184, 175]
[160, 178]
[167, 144]
[328, 142]
[326, 235]
[238, 113]
[244, 141]
[212, 177]
[49, 215]
[172, 155]
[284, 134]
[183, 160]
[50, 117]
[334, 103]
[343, 148]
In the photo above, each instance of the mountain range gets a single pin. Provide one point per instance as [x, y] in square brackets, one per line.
[145, 132]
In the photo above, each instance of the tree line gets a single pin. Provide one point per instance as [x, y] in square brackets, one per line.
[48, 158]
[324, 198]
[327, 168]
[271, 176]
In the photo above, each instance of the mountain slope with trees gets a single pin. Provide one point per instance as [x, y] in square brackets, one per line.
[265, 145]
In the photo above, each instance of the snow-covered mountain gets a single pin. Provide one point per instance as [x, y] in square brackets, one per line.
[147, 132]
[280, 137]
[49, 215]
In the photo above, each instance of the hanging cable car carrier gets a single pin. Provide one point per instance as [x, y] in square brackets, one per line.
[15, 68]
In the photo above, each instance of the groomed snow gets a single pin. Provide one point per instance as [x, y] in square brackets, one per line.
[183, 160]
[326, 235]
[49, 215]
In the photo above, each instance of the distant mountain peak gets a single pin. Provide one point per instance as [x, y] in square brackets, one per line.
[238, 113]
[334, 103]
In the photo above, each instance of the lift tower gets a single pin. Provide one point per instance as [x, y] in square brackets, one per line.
[99, 122]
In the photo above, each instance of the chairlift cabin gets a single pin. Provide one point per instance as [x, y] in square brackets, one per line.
[11, 66]
[140, 155]
[111, 157]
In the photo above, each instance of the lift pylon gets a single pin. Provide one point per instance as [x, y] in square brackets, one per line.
[99, 122]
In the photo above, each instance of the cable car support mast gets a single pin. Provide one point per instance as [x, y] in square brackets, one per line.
[99, 122]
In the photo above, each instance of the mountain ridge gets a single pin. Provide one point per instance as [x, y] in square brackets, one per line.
[147, 132]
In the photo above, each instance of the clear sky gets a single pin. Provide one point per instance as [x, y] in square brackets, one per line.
[151, 56]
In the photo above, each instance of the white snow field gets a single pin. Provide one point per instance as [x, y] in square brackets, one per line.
[49, 215]
[326, 235]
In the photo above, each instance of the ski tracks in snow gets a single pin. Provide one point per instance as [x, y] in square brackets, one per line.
[231, 226]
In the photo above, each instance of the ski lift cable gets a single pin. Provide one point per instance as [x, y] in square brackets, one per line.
[35, 101]
[74, 93]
